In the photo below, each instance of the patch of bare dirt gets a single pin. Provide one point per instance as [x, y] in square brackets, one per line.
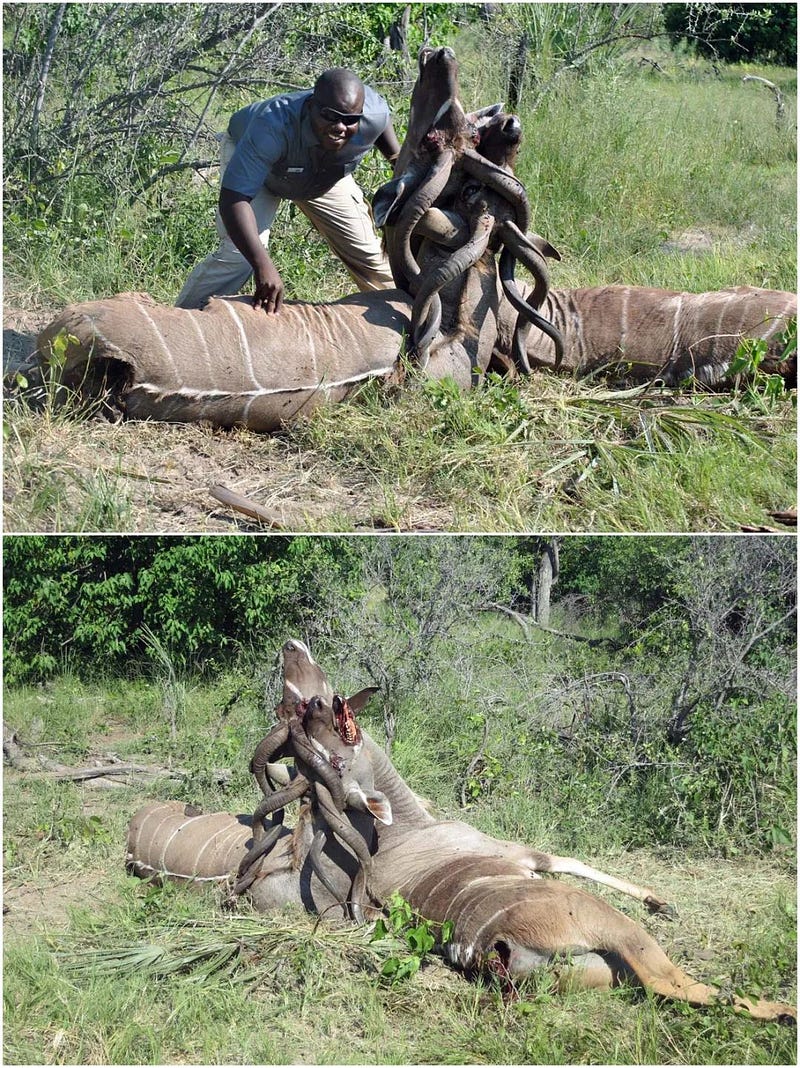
[43, 905]
[159, 475]
[700, 240]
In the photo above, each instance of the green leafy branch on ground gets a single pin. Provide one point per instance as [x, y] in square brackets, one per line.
[408, 937]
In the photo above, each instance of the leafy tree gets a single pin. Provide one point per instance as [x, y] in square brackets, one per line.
[90, 601]
[736, 32]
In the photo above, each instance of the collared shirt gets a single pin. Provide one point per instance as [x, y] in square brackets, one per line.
[276, 147]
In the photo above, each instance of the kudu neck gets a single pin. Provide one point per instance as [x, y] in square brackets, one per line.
[407, 812]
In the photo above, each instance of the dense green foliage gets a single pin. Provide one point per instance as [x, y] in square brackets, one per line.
[669, 717]
[736, 32]
[85, 601]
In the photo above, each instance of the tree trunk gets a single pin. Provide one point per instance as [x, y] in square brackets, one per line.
[516, 77]
[398, 32]
[47, 59]
[548, 575]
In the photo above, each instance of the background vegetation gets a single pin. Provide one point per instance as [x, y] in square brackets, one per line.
[648, 727]
[645, 162]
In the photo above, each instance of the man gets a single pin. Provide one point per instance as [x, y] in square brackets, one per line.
[304, 147]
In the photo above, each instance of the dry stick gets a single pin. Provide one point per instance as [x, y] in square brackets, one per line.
[239, 503]
[65, 774]
[221, 75]
[526, 622]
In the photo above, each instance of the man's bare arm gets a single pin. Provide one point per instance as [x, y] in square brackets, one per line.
[240, 222]
[388, 144]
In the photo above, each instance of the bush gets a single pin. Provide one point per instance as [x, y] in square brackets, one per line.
[736, 32]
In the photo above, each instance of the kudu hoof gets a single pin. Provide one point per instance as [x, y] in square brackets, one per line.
[661, 908]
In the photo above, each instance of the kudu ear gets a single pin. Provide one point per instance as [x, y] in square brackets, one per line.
[359, 700]
[388, 198]
[482, 116]
[374, 802]
[279, 773]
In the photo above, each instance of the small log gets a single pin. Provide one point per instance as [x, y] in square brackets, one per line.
[780, 107]
[239, 503]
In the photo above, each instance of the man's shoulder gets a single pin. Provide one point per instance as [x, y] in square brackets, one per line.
[284, 109]
[375, 105]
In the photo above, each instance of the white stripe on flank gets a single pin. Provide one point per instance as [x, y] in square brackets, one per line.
[723, 311]
[99, 333]
[245, 345]
[676, 326]
[153, 836]
[168, 842]
[623, 333]
[779, 319]
[220, 394]
[159, 336]
[177, 875]
[492, 918]
[215, 835]
[310, 342]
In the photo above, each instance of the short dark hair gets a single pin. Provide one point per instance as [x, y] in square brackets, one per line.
[332, 82]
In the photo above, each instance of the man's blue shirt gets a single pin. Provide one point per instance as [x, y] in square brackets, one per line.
[276, 147]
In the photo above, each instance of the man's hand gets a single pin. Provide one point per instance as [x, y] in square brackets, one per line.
[240, 222]
[269, 289]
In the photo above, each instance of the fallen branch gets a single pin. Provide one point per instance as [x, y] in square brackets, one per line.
[526, 622]
[239, 503]
[780, 108]
[39, 767]
[222, 776]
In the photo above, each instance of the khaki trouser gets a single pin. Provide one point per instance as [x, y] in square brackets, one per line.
[342, 217]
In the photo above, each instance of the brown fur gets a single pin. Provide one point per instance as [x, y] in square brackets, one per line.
[657, 333]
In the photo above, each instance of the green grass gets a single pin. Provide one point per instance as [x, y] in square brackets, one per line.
[103, 968]
[556, 455]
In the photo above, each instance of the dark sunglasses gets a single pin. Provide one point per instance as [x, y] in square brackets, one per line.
[331, 115]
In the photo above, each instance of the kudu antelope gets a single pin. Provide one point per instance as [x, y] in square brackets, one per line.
[504, 920]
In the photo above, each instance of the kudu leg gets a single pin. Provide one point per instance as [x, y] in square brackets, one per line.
[546, 862]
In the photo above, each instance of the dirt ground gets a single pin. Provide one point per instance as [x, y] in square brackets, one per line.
[160, 473]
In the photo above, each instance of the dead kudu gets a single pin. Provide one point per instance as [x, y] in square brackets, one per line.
[505, 918]
[228, 364]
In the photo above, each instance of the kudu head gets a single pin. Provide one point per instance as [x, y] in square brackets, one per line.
[303, 678]
[336, 718]
[499, 135]
[437, 133]
[302, 675]
[333, 730]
